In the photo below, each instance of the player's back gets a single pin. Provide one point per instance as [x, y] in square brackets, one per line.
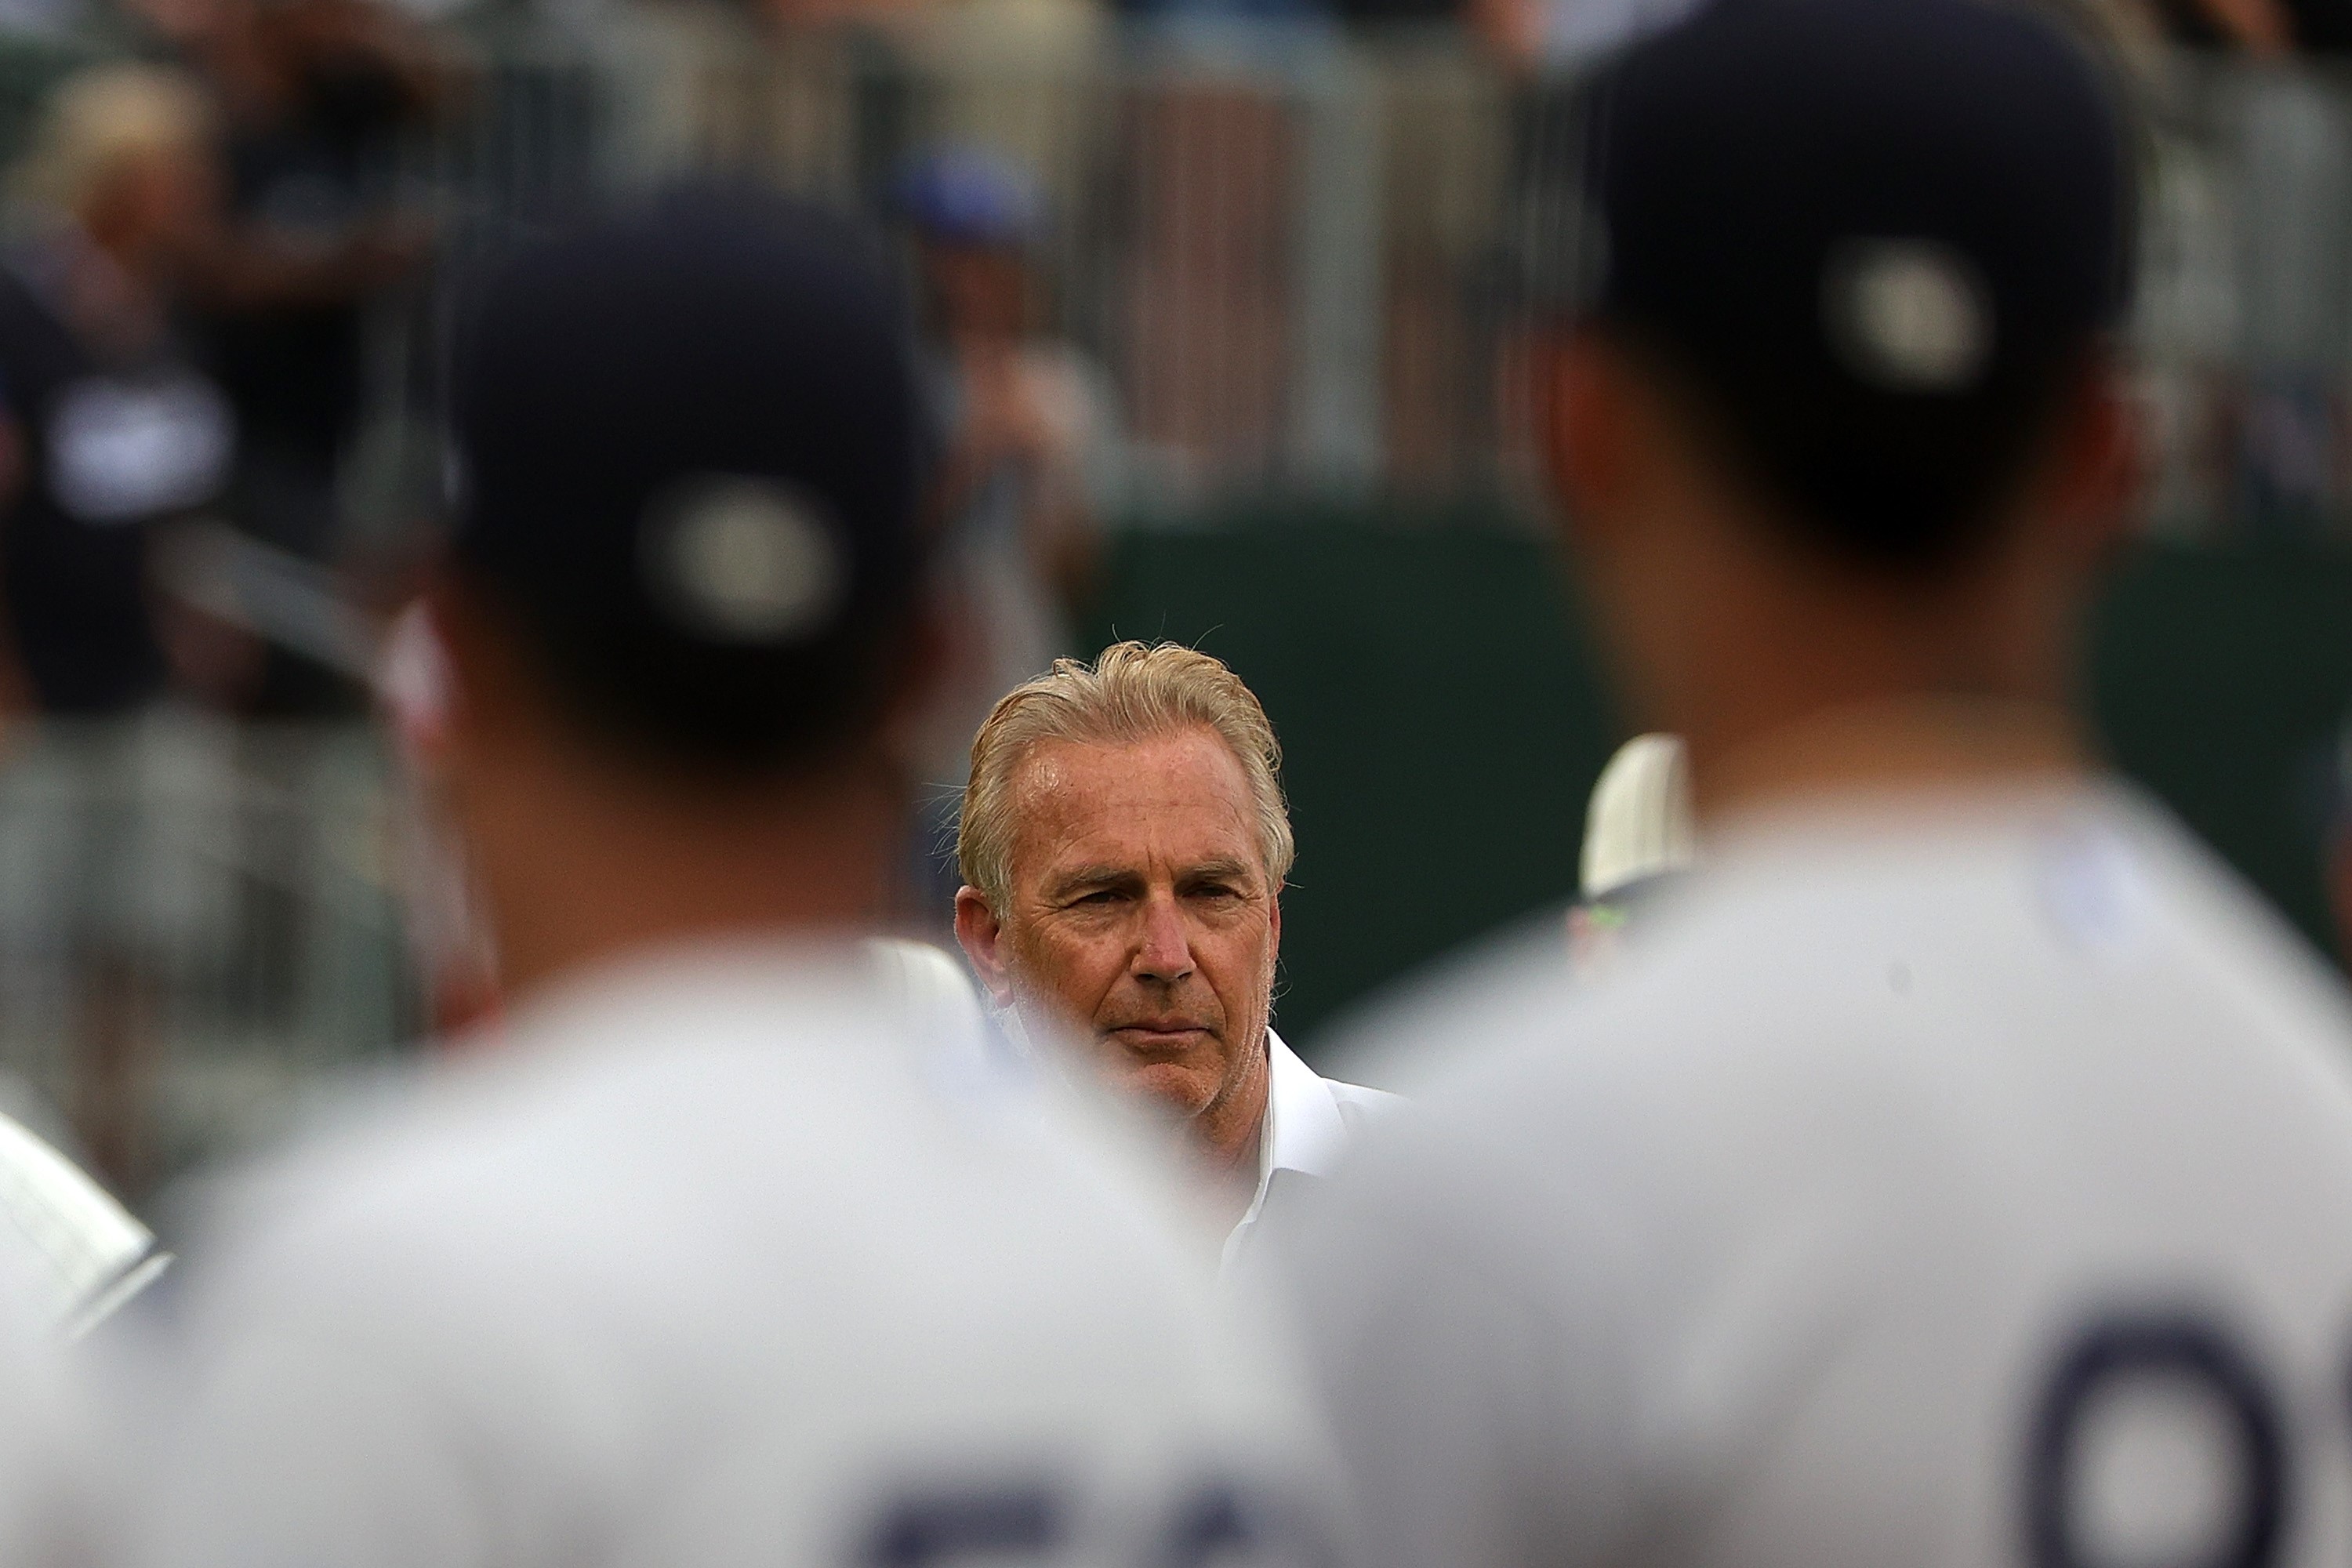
[717, 1263]
[1964, 1187]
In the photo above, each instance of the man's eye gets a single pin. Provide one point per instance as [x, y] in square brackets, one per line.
[1217, 890]
[1098, 898]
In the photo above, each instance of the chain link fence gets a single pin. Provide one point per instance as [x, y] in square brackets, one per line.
[196, 919]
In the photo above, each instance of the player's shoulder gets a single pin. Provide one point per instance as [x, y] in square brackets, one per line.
[1485, 1002]
[1471, 1156]
[2232, 941]
[1465, 1043]
[1356, 1105]
[413, 1168]
[1854, 955]
[619, 1133]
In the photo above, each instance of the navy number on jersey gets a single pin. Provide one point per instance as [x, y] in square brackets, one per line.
[1017, 1523]
[2155, 1439]
[1035, 1522]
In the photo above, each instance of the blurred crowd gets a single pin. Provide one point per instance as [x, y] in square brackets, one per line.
[212, 239]
[206, 241]
[198, 236]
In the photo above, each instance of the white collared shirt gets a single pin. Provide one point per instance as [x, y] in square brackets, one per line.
[1310, 1120]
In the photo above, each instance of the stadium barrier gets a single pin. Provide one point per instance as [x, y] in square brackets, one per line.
[197, 919]
[1306, 258]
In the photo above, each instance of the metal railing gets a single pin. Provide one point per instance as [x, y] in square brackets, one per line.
[2244, 322]
[1304, 258]
[197, 919]
[1300, 256]
[1283, 259]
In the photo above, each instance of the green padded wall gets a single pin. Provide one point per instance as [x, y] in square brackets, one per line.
[1444, 721]
[1439, 720]
[2219, 678]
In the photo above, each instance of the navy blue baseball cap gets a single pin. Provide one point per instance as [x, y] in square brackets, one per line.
[688, 453]
[967, 195]
[1877, 236]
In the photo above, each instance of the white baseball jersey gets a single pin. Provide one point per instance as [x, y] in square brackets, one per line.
[1946, 1188]
[712, 1262]
[48, 1456]
[69, 1254]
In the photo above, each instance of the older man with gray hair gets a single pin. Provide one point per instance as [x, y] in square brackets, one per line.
[1123, 844]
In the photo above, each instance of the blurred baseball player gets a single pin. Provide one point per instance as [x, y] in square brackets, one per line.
[711, 1258]
[74, 1255]
[1959, 1170]
[69, 1259]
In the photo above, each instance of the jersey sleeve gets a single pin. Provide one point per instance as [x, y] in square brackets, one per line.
[1480, 1409]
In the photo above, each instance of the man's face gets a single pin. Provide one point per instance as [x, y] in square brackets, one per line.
[977, 290]
[1140, 913]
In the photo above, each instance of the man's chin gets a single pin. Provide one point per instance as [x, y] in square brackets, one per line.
[1175, 1089]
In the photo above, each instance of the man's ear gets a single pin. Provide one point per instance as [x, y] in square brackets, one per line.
[2101, 464]
[1589, 430]
[982, 936]
[483, 701]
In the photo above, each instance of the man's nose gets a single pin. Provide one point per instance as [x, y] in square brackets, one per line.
[1166, 953]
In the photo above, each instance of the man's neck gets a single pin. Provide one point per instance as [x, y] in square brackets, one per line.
[1229, 1137]
[1803, 677]
[1924, 743]
[596, 879]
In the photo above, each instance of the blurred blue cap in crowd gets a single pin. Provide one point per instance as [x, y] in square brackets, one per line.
[968, 195]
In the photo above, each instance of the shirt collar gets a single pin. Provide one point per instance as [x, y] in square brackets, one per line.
[1304, 1130]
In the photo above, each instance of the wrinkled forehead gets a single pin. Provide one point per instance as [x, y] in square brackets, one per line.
[1161, 805]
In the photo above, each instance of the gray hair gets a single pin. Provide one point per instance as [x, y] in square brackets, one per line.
[1132, 692]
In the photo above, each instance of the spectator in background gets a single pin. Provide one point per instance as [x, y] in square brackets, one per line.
[312, 97]
[118, 438]
[111, 430]
[1553, 35]
[1031, 443]
[1028, 419]
[2258, 27]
